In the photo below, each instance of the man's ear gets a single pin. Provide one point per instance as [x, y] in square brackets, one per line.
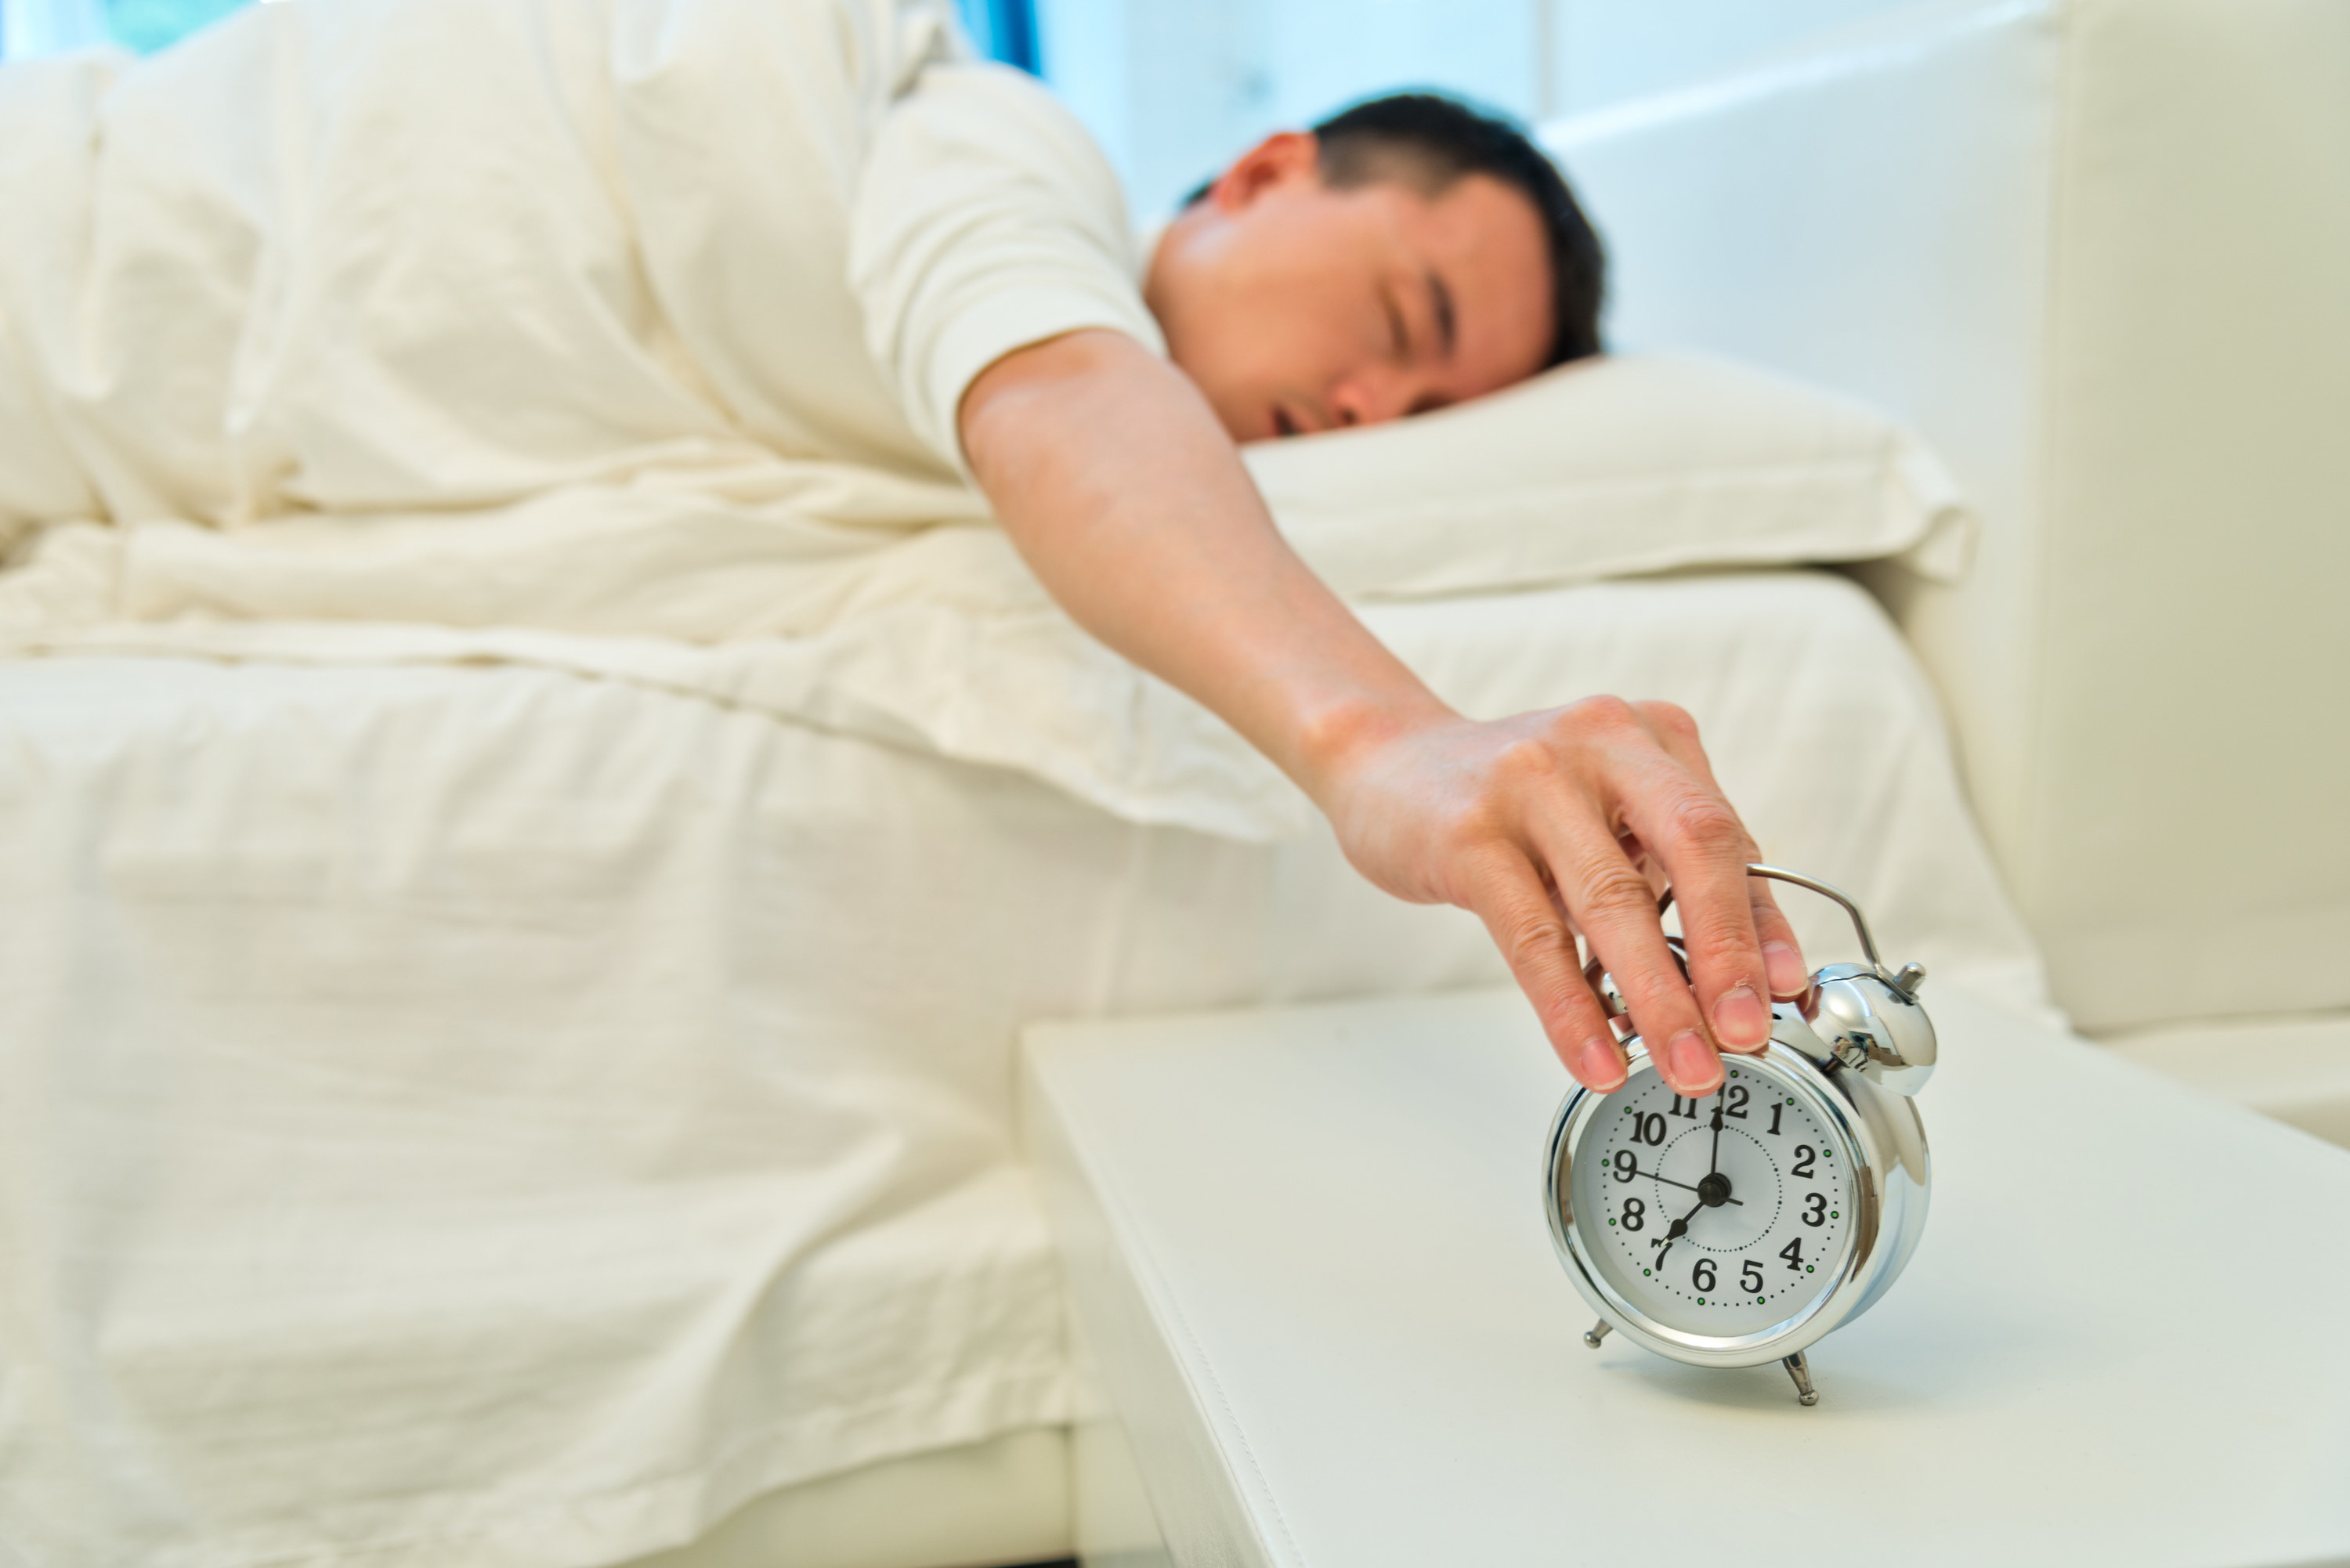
[1279, 160]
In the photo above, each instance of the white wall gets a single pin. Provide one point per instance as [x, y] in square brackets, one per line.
[1322, 53]
[1173, 89]
[1606, 51]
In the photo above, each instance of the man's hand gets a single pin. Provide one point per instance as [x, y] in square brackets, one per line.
[1567, 821]
[1128, 501]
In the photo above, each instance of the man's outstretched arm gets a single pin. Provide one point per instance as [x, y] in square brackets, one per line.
[1128, 500]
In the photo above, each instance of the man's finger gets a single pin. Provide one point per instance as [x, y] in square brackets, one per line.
[1672, 804]
[1610, 902]
[1528, 925]
[1782, 955]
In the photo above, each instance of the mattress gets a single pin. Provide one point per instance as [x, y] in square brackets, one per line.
[478, 1114]
[1004, 1501]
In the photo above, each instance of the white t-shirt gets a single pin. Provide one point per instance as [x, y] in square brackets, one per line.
[369, 255]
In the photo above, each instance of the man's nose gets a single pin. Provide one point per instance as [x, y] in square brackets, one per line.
[1372, 396]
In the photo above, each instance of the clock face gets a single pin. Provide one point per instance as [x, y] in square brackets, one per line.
[1719, 1217]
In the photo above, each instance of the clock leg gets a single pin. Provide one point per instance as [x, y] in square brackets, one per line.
[1800, 1371]
[1597, 1332]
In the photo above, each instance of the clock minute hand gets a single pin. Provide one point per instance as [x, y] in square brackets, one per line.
[1669, 1181]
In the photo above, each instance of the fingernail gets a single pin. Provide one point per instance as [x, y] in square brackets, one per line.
[1785, 965]
[1740, 1019]
[1696, 1070]
[1603, 1065]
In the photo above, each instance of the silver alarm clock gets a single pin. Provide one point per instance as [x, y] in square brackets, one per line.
[1739, 1229]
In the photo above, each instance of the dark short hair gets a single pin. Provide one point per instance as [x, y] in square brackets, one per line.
[1430, 141]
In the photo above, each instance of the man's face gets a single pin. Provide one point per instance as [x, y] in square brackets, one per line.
[1296, 306]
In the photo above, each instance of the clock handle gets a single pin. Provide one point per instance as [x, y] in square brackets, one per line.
[1859, 921]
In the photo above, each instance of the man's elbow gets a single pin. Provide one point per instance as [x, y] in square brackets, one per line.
[1034, 388]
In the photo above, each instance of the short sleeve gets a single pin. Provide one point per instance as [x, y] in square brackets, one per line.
[985, 220]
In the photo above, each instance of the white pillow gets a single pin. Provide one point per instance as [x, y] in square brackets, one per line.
[1612, 467]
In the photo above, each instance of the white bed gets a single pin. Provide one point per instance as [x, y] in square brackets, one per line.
[482, 1113]
[507, 989]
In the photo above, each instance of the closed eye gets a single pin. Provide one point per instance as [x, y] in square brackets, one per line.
[1440, 303]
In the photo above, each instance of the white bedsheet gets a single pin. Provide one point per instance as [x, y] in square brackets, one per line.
[461, 1115]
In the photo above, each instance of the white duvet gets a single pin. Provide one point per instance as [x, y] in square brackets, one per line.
[213, 331]
[506, 1010]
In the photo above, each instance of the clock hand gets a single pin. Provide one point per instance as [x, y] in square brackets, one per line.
[1679, 1230]
[1669, 1181]
[1714, 1168]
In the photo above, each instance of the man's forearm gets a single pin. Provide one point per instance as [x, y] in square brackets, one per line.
[1125, 496]
[1119, 487]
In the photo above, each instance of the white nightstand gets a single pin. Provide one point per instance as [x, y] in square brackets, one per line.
[1307, 1252]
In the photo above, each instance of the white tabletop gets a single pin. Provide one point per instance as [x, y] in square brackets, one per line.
[1308, 1249]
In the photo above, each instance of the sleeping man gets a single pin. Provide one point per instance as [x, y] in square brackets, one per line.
[1405, 255]
[595, 231]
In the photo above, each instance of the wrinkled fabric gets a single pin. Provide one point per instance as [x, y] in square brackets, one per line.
[361, 256]
[481, 313]
[467, 1116]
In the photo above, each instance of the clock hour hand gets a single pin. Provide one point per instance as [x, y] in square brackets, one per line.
[1679, 1230]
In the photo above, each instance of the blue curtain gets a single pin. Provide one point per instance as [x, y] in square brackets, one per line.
[147, 25]
[1004, 30]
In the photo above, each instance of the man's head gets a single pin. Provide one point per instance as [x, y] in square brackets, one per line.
[1403, 255]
